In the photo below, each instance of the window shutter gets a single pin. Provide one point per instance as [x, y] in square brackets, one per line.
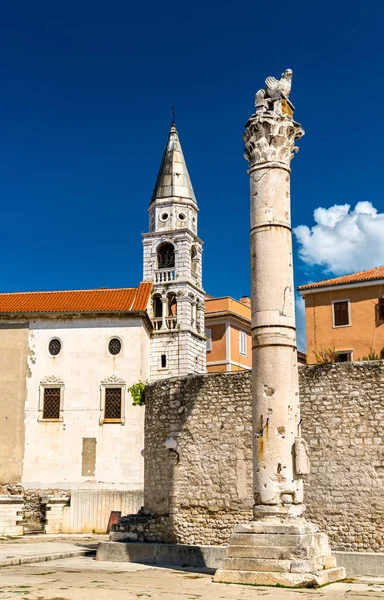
[381, 309]
[243, 343]
[341, 315]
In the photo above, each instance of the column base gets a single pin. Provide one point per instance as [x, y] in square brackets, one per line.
[285, 552]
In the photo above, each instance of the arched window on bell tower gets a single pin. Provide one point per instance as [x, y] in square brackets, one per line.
[166, 256]
[157, 310]
[172, 311]
[194, 262]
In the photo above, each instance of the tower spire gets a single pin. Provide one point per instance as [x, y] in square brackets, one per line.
[173, 179]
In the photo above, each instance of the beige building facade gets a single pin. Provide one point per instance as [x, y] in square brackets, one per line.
[345, 315]
[13, 373]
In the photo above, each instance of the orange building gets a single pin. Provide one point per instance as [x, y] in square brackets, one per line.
[228, 331]
[346, 314]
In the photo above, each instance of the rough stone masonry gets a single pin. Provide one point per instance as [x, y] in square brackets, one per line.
[198, 500]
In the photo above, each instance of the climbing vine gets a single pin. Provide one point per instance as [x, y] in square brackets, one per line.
[137, 391]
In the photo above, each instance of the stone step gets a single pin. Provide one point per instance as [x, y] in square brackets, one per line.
[280, 566]
[277, 552]
[283, 566]
[280, 539]
[316, 579]
[286, 529]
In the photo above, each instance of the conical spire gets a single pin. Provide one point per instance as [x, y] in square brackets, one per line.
[173, 179]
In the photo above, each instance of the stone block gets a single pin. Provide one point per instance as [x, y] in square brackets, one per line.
[270, 539]
[275, 552]
[276, 527]
[299, 580]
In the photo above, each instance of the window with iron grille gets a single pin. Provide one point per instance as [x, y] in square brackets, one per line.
[51, 403]
[381, 309]
[341, 313]
[112, 403]
[114, 346]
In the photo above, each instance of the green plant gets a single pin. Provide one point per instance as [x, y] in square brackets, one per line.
[137, 391]
[373, 355]
[325, 356]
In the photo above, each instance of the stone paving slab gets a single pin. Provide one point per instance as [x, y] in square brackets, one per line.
[86, 579]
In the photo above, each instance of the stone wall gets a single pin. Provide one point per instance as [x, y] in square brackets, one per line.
[342, 407]
[200, 498]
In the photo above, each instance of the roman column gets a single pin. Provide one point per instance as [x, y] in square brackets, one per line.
[279, 547]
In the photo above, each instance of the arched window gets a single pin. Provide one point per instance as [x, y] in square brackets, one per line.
[194, 261]
[166, 256]
[157, 309]
[171, 311]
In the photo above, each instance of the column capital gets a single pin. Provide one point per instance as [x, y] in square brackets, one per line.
[270, 137]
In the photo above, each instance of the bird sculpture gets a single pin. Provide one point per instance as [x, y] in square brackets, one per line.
[275, 89]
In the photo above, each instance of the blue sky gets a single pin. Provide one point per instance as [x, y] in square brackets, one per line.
[86, 90]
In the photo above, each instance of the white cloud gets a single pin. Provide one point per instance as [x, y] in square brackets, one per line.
[343, 240]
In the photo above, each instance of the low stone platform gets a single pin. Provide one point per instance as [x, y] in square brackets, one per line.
[356, 564]
[290, 553]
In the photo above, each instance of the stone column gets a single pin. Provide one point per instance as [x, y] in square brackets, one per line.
[269, 145]
[279, 547]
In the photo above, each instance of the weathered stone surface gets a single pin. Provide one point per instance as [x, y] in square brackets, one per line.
[200, 500]
[302, 527]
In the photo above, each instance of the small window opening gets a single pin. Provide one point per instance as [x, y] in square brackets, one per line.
[114, 346]
[344, 357]
[54, 347]
[163, 361]
[166, 256]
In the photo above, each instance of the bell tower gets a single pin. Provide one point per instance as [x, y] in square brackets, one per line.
[172, 261]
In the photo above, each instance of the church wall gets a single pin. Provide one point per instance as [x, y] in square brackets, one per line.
[198, 499]
[55, 454]
[13, 371]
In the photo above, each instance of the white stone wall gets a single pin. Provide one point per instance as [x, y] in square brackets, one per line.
[53, 450]
[185, 354]
[11, 513]
[174, 209]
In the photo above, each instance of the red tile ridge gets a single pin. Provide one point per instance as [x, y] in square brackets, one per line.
[359, 277]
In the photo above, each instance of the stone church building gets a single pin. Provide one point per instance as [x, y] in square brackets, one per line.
[68, 358]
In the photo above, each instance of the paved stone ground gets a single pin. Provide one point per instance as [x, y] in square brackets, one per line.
[49, 538]
[85, 579]
[42, 548]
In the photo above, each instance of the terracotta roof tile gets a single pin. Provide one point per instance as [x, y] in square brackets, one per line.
[98, 300]
[361, 276]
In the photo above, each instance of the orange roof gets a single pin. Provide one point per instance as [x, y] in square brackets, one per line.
[99, 300]
[361, 276]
